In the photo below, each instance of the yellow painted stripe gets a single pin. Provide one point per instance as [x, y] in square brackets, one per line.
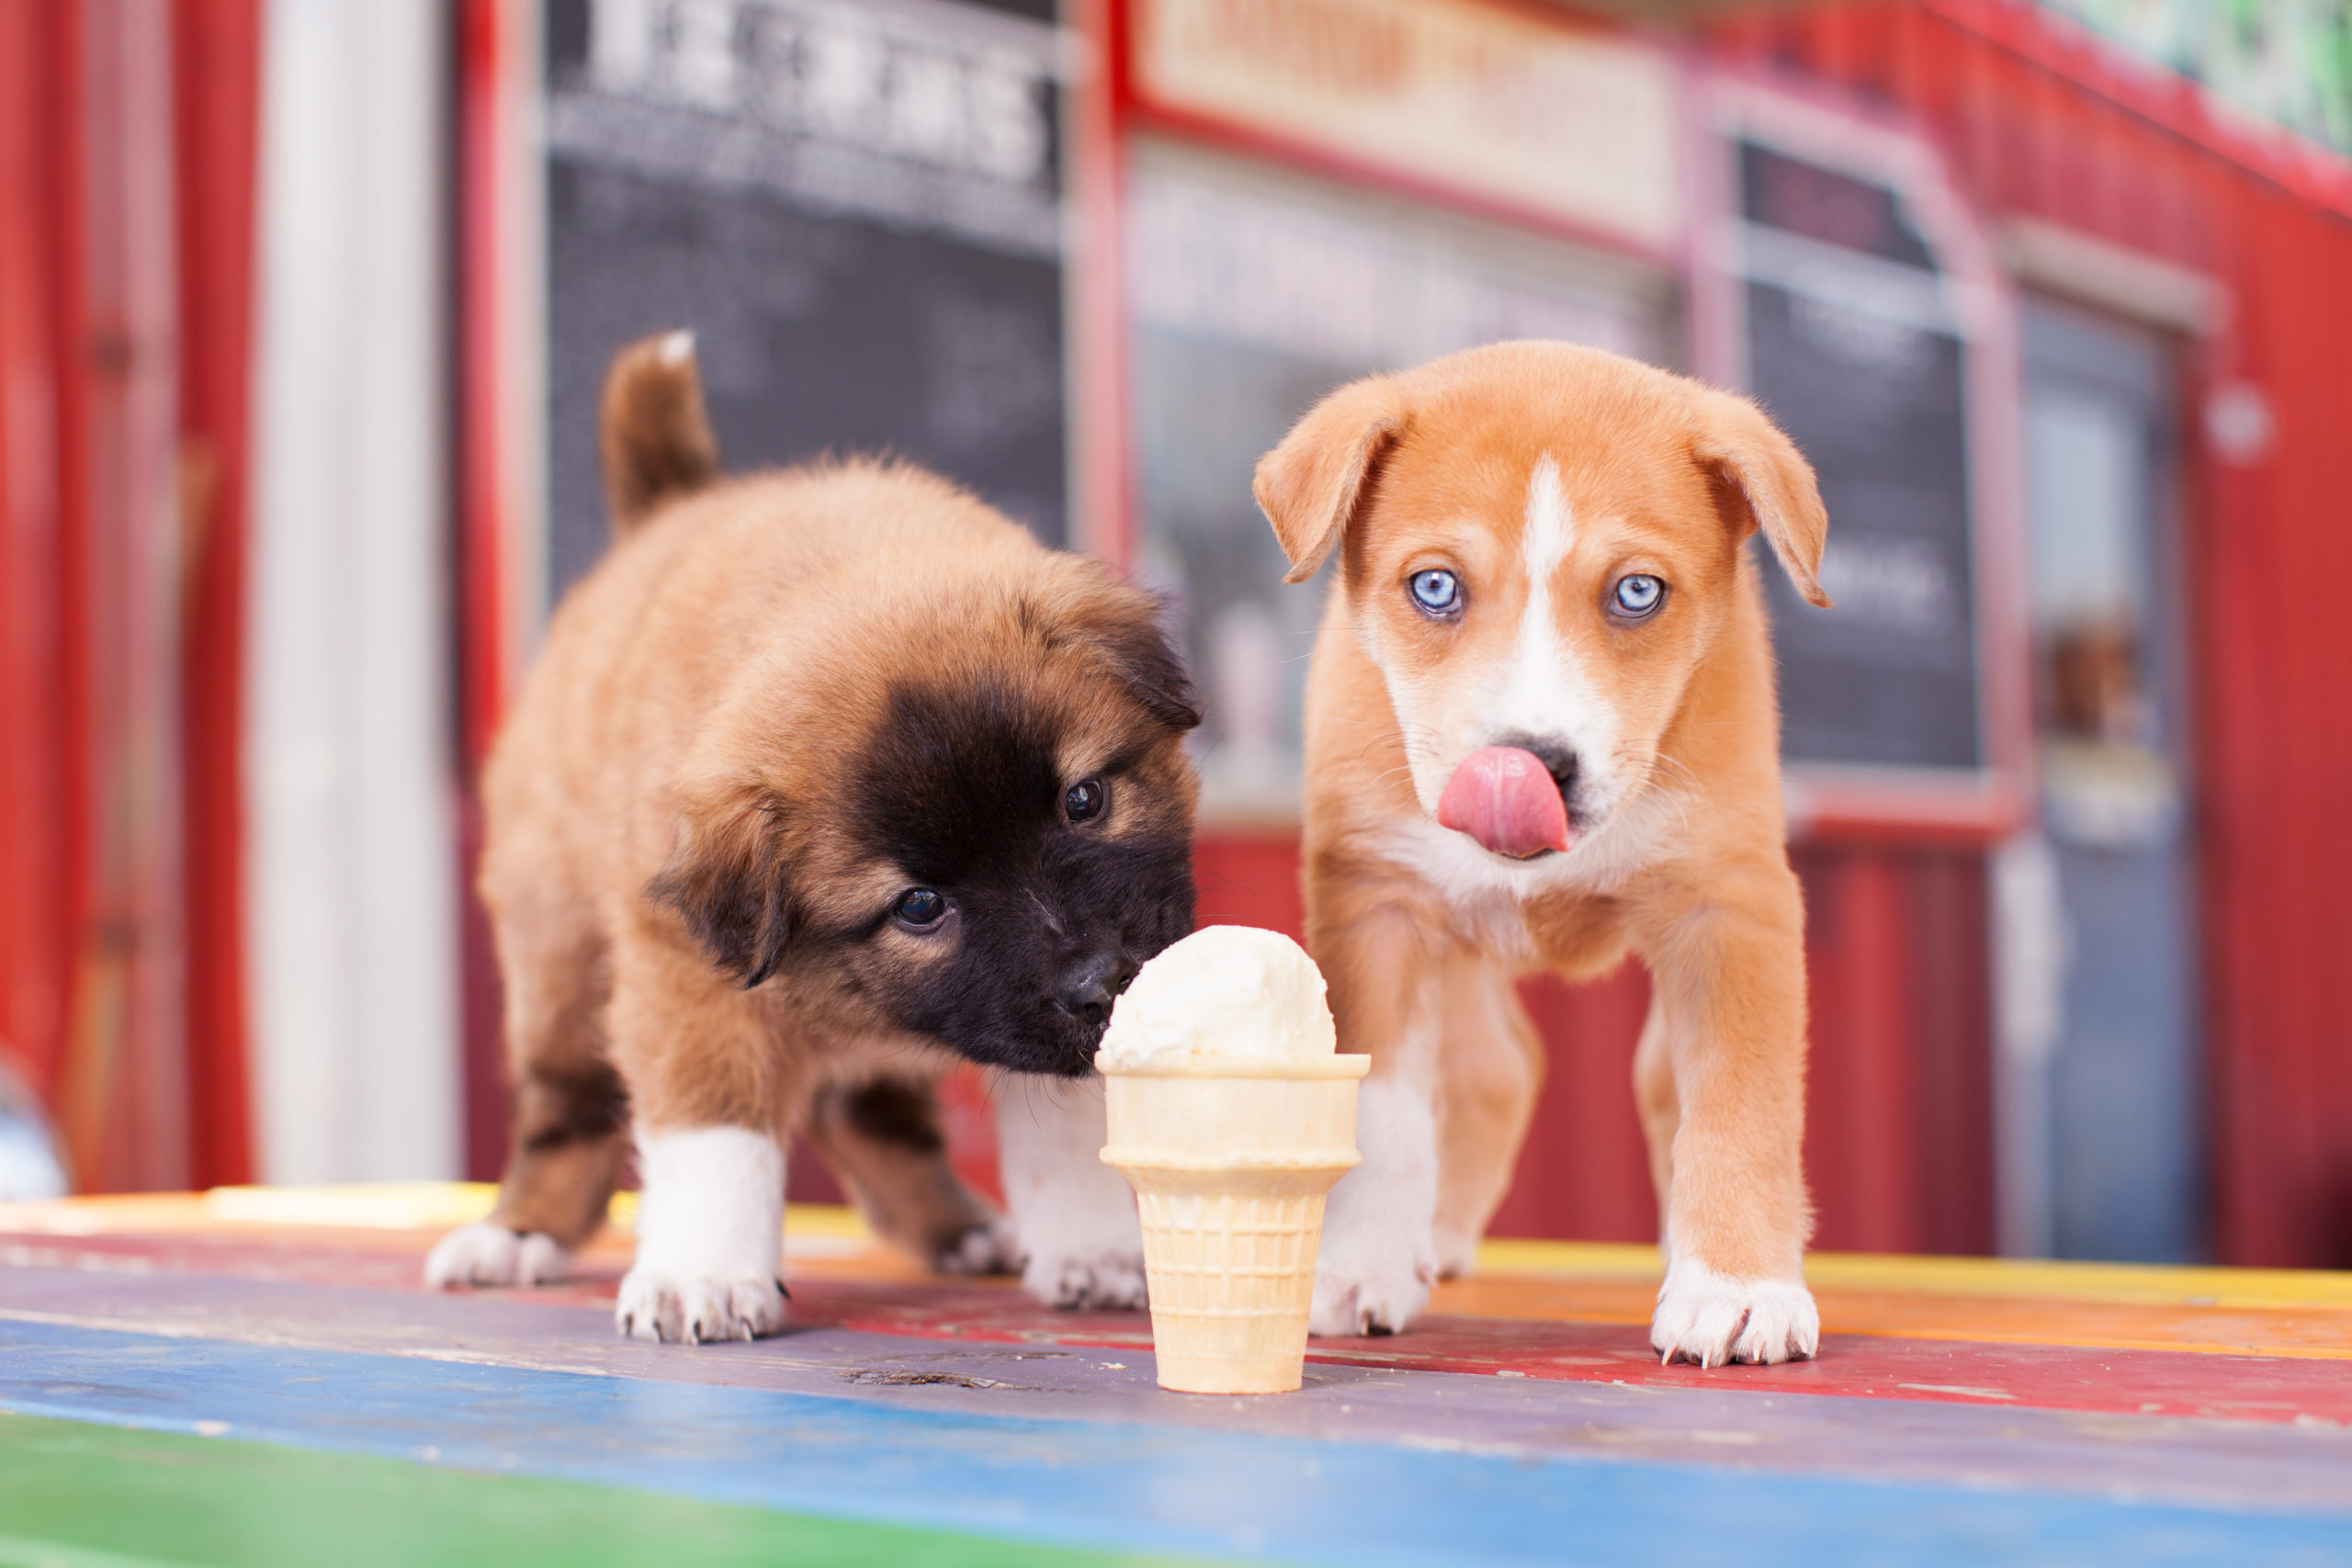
[2308, 1288]
[386, 1205]
[2321, 1333]
[439, 1205]
[1582, 1259]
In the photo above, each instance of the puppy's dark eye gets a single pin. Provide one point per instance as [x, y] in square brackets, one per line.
[919, 909]
[1084, 800]
[1637, 596]
[1436, 591]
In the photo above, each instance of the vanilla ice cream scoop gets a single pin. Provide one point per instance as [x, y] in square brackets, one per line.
[1223, 991]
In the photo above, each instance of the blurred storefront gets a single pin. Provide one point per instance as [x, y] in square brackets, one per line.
[2056, 297]
[1990, 269]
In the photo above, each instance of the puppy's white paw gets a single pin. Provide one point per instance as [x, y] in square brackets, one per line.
[709, 1238]
[484, 1253]
[1074, 1216]
[1706, 1318]
[1371, 1280]
[991, 1248]
[694, 1311]
[1105, 1278]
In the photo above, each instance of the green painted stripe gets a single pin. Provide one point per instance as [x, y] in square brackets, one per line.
[15, 1551]
[86, 1497]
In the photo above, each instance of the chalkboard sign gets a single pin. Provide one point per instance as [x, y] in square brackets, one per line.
[1855, 349]
[855, 208]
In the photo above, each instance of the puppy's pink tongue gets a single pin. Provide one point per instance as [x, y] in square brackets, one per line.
[1505, 799]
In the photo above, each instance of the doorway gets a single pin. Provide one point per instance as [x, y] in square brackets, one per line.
[2119, 1070]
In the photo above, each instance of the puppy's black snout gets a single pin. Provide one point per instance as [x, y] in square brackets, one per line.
[1093, 984]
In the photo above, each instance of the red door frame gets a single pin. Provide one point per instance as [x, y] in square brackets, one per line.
[216, 102]
[492, 48]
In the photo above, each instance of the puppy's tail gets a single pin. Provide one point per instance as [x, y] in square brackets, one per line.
[657, 439]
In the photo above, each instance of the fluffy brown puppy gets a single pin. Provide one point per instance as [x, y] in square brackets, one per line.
[825, 778]
[1541, 733]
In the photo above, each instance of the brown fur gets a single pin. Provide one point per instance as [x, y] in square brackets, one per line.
[681, 869]
[1683, 865]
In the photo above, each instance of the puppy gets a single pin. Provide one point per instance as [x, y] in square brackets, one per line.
[826, 778]
[1540, 734]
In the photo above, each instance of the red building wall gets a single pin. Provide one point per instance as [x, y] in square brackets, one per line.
[34, 787]
[2041, 120]
[126, 138]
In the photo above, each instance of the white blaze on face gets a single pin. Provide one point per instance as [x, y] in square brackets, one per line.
[1540, 691]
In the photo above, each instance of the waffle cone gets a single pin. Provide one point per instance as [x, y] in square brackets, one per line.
[1230, 1162]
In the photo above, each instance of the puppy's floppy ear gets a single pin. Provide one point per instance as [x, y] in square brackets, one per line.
[1308, 486]
[1122, 625]
[729, 881]
[1760, 478]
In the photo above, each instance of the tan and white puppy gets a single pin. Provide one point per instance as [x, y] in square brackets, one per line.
[827, 778]
[1542, 734]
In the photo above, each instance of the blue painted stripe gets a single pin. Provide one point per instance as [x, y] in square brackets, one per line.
[1105, 1485]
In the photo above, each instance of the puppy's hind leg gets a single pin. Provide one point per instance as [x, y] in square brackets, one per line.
[1075, 1216]
[882, 1138]
[571, 1127]
[1655, 1100]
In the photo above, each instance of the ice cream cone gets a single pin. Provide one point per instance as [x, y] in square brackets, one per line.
[1230, 1160]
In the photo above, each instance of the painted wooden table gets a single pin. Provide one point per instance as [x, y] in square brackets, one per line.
[257, 1377]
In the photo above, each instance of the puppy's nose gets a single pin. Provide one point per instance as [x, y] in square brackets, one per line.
[1559, 758]
[1093, 984]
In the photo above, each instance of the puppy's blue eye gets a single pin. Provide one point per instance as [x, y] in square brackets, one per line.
[1435, 591]
[1638, 595]
[1084, 800]
[918, 909]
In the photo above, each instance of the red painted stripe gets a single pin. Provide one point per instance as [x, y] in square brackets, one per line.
[2148, 1383]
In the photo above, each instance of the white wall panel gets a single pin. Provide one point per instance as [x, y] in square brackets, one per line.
[354, 949]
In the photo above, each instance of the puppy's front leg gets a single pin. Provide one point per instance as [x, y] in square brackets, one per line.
[709, 1236]
[1730, 989]
[1074, 1216]
[711, 1082]
[1378, 1257]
